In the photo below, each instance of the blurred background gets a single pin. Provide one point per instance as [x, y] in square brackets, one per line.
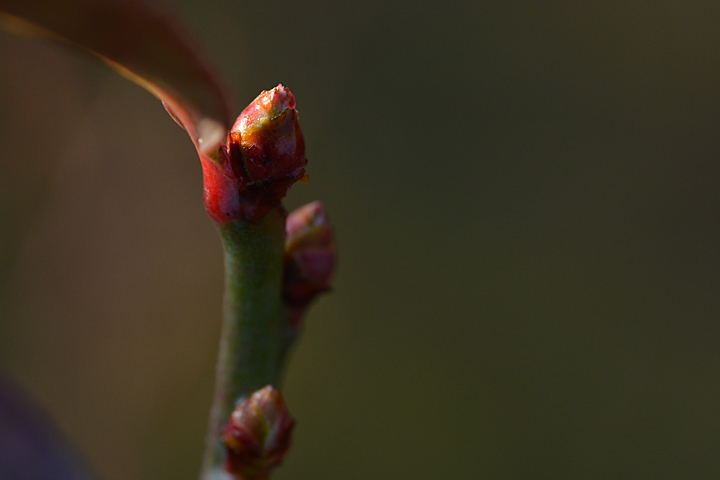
[527, 205]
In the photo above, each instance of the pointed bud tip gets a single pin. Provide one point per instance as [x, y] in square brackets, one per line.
[305, 217]
[268, 105]
[278, 100]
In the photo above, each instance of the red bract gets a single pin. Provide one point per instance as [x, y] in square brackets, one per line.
[263, 156]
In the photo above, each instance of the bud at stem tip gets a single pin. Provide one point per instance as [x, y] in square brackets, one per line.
[263, 156]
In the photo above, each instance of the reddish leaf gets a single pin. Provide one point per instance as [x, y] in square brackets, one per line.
[144, 43]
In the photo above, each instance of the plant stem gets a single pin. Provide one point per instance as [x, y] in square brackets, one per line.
[254, 319]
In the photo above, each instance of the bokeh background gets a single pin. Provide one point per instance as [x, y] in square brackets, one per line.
[527, 203]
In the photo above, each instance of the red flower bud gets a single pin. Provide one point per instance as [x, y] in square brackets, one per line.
[309, 258]
[266, 144]
[258, 435]
[264, 155]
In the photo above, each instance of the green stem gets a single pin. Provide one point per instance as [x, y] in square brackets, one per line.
[254, 319]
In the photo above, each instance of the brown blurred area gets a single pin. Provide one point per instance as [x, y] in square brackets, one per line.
[527, 207]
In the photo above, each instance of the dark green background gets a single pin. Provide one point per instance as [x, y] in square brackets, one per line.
[527, 205]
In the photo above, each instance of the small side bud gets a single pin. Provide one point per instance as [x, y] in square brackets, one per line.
[309, 258]
[257, 435]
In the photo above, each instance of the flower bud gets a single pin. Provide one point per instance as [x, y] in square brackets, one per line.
[264, 155]
[309, 258]
[266, 144]
[257, 435]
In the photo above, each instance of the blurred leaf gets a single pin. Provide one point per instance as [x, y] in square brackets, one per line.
[143, 42]
[31, 448]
